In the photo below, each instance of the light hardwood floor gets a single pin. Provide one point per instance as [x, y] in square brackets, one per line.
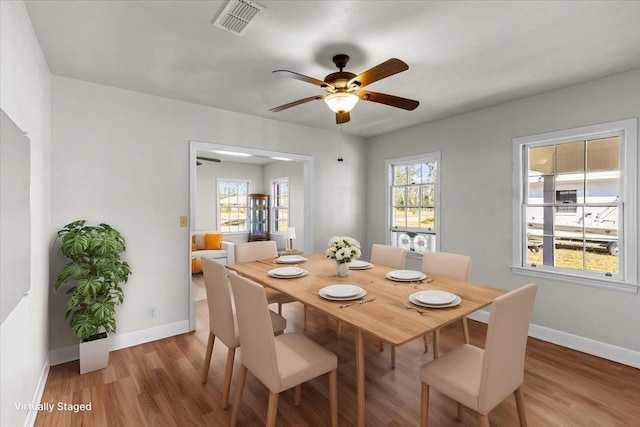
[158, 384]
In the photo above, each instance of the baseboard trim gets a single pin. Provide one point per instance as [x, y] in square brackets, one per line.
[575, 342]
[118, 341]
[30, 420]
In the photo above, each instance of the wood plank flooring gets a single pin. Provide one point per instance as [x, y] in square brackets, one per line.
[158, 384]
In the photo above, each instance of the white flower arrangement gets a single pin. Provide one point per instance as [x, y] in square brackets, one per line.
[343, 249]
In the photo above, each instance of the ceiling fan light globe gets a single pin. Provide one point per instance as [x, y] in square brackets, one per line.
[341, 101]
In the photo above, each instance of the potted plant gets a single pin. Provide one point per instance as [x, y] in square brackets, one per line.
[96, 272]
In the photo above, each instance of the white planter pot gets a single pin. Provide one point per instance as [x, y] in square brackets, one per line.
[94, 355]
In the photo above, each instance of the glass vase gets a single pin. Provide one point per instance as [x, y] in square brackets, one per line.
[342, 269]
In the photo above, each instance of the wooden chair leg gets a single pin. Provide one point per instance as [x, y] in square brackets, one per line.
[298, 394]
[272, 409]
[280, 308]
[207, 357]
[333, 397]
[227, 377]
[304, 325]
[393, 357]
[484, 420]
[436, 343]
[338, 328]
[426, 344]
[242, 377]
[460, 408]
[424, 406]
[520, 406]
[465, 330]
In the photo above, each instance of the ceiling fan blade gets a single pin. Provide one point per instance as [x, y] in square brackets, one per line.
[208, 159]
[342, 117]
[383, 98]
[294, 103]
[302, 77]
[387, 68]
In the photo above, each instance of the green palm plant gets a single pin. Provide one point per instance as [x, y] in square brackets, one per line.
[96, 273]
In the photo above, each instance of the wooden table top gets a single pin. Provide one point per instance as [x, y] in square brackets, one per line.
[386, 317]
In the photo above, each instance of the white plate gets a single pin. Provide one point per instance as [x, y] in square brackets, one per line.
[453, 303]
[434, 297]
[290, 259]
[357, 296]
[285, 272]
[359, 265]
[342, 291]
[405, 275]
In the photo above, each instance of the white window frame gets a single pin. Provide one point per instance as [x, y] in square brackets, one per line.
[627, 278]
[418, 158]
[217, 201]
[273, 207]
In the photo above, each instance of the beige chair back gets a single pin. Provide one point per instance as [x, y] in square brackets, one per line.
[258, 352]
[220, 302]
[504, 353]
[444, 264]
[389, 256]
[254, 251]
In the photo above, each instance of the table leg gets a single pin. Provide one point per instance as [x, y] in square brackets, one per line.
[359, 378]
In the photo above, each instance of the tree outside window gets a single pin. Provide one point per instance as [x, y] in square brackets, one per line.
[232, 205]
[414, 190]
[280, 204]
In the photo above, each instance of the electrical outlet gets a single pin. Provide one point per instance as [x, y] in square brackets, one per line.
[183, 221]
[152, 312]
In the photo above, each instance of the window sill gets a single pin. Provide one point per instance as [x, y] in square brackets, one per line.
[612, 285]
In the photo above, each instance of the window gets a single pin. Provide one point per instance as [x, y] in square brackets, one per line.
[280, 204]
[232, 205]
[575, 214]
[413, 195]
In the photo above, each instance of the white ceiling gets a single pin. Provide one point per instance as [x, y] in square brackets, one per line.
[462, 55]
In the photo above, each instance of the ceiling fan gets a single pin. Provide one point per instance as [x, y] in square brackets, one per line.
[344, 89]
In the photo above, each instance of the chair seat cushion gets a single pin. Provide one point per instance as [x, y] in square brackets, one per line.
[300, 359]
[456, 374]
[278, 322]
[275, 297]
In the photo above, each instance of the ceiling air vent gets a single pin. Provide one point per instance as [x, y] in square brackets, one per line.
[237, 15]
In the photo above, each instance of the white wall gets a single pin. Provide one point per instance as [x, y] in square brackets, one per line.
[25, 97]
[476, 196]
[122, 157]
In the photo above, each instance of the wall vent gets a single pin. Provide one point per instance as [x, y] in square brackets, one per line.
[237, 16]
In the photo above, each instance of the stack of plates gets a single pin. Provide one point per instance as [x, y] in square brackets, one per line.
[405, 275]
[290, 259]
[359, 265]
[342, 292]
[435, 299]
[287, 272]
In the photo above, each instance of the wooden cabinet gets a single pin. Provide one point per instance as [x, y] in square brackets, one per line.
[258, 217]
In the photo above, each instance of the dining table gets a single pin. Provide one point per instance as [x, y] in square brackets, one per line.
[384, 315]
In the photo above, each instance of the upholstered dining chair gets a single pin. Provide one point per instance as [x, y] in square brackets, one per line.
[281, 362]
[482, 379]
[390, 256]
[222, 320]
[267, 249]
[453, 266]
